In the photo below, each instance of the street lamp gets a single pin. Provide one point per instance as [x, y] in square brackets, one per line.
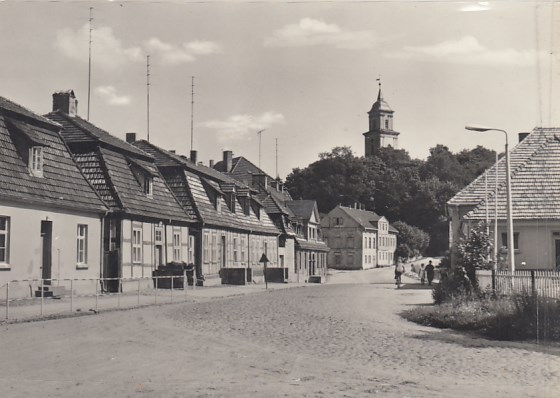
[511, 259]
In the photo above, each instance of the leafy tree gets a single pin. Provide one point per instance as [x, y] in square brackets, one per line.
[473, 251]
[412, 241]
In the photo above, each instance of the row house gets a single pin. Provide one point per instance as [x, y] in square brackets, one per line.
[301, 249]
[51, 218]
[359, 239]
[535, 198]
[233, 230]
[145, 225]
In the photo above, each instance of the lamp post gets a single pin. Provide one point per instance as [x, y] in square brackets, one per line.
[511, 258]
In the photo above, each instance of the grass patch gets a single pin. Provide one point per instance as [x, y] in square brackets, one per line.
[519, 317]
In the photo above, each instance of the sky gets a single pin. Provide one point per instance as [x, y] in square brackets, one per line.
[304, 72]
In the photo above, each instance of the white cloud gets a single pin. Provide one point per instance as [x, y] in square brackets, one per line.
[468, 50]
[312, 32]
[108, 52]
[478, 6]
[109, 94]
[242, 127]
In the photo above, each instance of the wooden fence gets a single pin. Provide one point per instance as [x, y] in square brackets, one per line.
[543, 283]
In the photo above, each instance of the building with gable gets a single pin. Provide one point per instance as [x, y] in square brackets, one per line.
[145, 225]
[301, 248]
[233, 230]
[359, 239]
[380, 133]
[535, 191]
[50, 216]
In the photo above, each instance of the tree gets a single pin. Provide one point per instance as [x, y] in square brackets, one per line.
[412, 241]
[473, 251]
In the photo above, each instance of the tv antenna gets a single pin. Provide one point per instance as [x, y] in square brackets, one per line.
[148, 94]
[192, 112]
[277, 175]
[89, 60]
[259, 133]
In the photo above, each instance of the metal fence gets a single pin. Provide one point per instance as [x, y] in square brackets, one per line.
[544, 283]
[24, 299]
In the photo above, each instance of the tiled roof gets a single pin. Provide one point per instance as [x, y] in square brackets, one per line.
[20, 111]
[242, 169]
[367, 219]
[535, 181]
[302, 208]
[311, 245]
[62, 184]
[190, 182]
[78, 130]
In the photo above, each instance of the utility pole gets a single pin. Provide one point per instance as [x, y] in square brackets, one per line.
[148, 94]
[89, 60]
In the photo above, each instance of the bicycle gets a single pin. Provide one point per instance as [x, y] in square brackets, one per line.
[398, 280]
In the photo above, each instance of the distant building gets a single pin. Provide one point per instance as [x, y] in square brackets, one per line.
[50, 216]
[232, 229]
[358, 239]
[380, 133]
[145, 225]
[301, 248]
[535, 192]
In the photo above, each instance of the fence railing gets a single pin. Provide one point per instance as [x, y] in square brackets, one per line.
[48, 297]
[542, 282]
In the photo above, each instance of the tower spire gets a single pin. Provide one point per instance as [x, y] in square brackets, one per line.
[379, 95]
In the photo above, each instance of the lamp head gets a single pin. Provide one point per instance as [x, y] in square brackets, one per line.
[478, 128]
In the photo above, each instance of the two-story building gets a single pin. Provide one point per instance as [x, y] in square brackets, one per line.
[232, 230]
[145, 225]
[358, 239]
[50, 216]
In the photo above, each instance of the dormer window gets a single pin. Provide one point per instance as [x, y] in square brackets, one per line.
[149, 186]
[36, 161]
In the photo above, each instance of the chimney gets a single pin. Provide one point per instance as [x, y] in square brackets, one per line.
[172, 151]
[228, 161]
[66, 102]
[522, 136]
[194, 156]
[211, 163]
[130, 137]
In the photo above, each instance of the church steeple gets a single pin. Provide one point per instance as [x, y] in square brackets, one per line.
[381, 133]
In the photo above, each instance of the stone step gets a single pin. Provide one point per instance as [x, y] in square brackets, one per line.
[52, 291]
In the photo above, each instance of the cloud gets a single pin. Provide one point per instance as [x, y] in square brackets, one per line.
[468, 50]
[108, 52]
[478, 6]
[242, 127]
[312, 32]
[109, 94]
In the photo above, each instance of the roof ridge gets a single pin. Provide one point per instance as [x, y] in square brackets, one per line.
[32, 115]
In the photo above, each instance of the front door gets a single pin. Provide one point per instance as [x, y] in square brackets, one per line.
[46, 261]
[557, 254]
[159, 255]
[224, 250]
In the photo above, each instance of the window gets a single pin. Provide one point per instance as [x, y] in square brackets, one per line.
[148, 185]
[214, 247]
[191, 249]
[387, 124]
[337, 221]
[235, 249]
[350, 241]
[158, 235]
[82, 245]
[515, 240]
[177, 245]
[4, 239]
[36, 161]
[136, 245]
[243, 248]
[205, 245]
[336, 258]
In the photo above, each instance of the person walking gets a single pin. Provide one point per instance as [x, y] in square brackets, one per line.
[422, 274]
[430, 272]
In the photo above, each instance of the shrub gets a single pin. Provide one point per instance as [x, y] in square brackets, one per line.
[454, 286]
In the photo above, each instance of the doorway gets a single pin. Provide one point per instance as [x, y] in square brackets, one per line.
[46, 261]
[557, 254]
[224, 250]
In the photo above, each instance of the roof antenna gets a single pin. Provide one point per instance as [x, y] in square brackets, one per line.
[192, 112]
[89, 61]
[148, 94]
[259, 133]
[277, 175]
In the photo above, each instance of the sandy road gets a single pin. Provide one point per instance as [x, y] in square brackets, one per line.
[343, 339]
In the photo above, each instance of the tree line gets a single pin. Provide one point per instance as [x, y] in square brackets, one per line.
[411, 193]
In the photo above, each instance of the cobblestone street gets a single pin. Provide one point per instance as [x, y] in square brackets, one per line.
[343, 339]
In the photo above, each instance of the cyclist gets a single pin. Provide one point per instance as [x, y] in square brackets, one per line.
[399, 270]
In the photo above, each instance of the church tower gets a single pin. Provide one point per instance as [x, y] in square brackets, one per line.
[381, 133]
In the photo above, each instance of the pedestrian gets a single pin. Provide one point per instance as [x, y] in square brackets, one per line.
[399, 270]
[422, 274]
[430, 272]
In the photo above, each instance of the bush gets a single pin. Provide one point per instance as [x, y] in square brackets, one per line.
[455, 285]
